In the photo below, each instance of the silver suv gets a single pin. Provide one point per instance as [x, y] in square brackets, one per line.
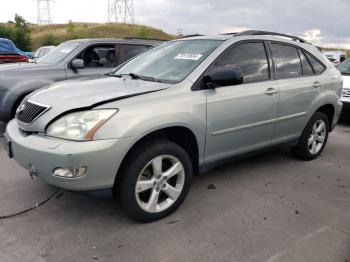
[177, 109]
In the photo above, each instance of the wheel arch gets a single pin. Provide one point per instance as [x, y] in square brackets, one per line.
[180, 135]
[329, 111]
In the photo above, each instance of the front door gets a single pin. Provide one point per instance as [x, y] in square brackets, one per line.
[242, 118]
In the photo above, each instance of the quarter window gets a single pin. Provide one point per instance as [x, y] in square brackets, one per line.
[318, 67]
[250, 58]
[307, 69]
[286, 60]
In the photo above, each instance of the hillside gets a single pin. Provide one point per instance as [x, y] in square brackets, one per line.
[63, 32]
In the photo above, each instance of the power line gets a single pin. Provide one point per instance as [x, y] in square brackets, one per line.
[121, 11]
[43, 12]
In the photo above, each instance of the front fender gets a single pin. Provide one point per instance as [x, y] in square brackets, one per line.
[138, 117]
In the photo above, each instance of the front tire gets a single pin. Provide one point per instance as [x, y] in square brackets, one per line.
[314, 138]
[155, 180]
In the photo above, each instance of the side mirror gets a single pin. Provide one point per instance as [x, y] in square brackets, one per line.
[224, 76]
[77, 64]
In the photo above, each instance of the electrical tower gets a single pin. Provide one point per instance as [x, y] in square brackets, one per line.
[121, 11]
[44, 13]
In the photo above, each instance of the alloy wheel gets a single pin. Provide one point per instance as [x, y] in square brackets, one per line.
[317, 137]
[160, 183]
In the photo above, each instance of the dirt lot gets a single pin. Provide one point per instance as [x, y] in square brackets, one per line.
[271, 207]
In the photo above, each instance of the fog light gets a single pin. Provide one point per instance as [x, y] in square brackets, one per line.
[70, 172]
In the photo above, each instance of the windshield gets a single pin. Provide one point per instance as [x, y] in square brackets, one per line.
[170, 62]
[58, 54]
[344, 67]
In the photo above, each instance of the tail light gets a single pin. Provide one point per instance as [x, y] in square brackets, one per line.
[13, 58]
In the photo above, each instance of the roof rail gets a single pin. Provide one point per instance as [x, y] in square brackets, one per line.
[186, 36]
[257, 32]
[231, 33]
[143, 38]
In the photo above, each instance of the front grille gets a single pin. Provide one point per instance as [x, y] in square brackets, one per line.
[346, 93]
[28, 111]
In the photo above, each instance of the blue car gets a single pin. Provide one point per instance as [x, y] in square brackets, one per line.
[9, 53]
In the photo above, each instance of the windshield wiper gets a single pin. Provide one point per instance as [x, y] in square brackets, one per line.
[136, 76]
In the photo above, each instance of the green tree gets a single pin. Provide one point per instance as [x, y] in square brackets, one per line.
[21, 34]
[49, 39]
[5, 32]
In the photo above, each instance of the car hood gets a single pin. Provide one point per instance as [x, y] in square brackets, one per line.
[83, 93]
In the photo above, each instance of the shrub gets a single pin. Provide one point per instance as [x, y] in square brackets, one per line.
[49, 39]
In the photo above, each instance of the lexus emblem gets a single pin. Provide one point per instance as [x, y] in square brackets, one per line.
[21, 109]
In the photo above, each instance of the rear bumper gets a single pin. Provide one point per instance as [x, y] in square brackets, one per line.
[102, 158]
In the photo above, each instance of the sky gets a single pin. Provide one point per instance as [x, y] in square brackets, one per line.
[325, 23]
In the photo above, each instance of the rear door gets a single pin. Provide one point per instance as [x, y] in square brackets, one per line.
[241, 118]
[299, 86]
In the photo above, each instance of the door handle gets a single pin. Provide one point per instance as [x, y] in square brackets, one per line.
[271, 91]
[316, 84]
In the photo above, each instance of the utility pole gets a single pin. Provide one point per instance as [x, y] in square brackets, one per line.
[121, 11]
[43, 12]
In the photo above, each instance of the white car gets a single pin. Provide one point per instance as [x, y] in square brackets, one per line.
[344, 69]
[42, 51]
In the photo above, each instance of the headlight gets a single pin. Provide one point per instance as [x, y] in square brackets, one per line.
[80, 126]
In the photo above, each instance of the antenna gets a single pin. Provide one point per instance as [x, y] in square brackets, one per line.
[44, 13]
[121, 11]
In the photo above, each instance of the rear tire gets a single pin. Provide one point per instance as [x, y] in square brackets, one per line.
[154, 180]
[314, 138]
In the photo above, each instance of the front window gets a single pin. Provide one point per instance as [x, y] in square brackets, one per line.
[59, 53]
[344, 67]
[171, 62]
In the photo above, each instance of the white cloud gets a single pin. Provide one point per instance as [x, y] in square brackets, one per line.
[319, 23]
[233, 29]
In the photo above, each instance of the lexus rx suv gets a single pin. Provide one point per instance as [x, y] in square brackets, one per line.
[178, 109]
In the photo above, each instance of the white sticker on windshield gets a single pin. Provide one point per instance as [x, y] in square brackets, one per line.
[188, 56]
[66, 50]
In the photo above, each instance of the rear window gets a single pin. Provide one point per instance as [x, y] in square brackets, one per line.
[286, 60]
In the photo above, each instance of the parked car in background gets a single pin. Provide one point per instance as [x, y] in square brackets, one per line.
[182, 107]
[344, 69]
[9, 53]
[40, 52]
[69, 60]
[336, 57]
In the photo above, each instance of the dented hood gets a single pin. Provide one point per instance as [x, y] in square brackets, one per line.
[85, 93]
